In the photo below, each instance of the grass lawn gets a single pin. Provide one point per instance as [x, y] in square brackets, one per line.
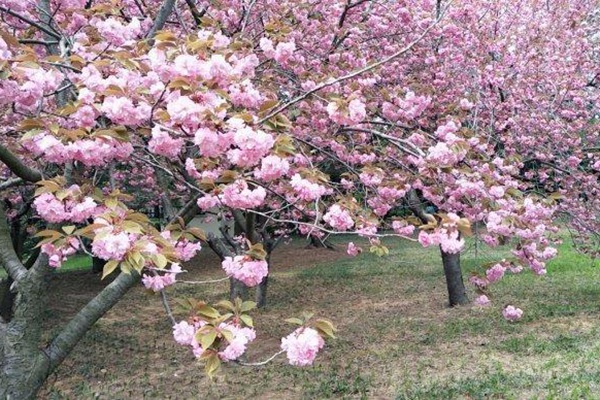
[396, 339]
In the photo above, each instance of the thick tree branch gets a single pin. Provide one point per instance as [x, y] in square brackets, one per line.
[416, 206]
[17, 167]
[188, 211]
[83, 321]
[8, 258]
[197, 15]
[161, 18]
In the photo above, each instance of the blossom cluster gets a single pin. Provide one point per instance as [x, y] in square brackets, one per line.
[71, 206]
[185, 334]
[302, 346]
[157, 281]
[243, 268]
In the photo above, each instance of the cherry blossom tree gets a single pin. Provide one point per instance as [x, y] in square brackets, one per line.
[318, 117]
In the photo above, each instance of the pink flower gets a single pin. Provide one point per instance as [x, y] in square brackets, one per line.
[478, 281]
[272, 167]
[302, 346]
[186, 250]
[450, 242]
[284, 51]
[109, 246]
[158, 282]
[428, 239]
[84, 210]
[250, 272]
[402, 228]
[307, 190]
[338, 218]
[511, 313]
[184, 333]
[238, 195]
[237, 346]
[163, 144]
[50, 208]
[353, 250]
[121, 110]
[355, 114]
[483, 301]
[495, 273]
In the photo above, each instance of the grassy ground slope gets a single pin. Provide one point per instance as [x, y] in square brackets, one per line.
[396, 337]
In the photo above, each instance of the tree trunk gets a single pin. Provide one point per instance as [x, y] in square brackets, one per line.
[237, 289]
[23, 367]
[97, 265]
[457, 294]
[261, 290]
[7, 299]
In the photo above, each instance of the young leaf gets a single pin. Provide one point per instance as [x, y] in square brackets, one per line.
[109, 267]
[296, 321]
[208, 339]
[247, 306]
[325, 327]
[247, 320]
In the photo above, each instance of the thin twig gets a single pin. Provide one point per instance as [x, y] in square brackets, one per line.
[165, 303]
[30, 22]
[204, 282]
[258, 364]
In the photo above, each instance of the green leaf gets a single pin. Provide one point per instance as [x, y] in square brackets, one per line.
[208, 312]
[109, 267]
[227, 335]
[226, 304]
[247, 320]
[132, 227]
[325, 327]
[296, 321]
[160, 261]
[213, 363]
[379, 250]
[247, 306]
[69, 229]
[208, 339]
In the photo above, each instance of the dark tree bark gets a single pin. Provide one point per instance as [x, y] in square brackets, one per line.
[237, 289]
[452, 271]
[261, 289]
[457, 294]
[97, 265]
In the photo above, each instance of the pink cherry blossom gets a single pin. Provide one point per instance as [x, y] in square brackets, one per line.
[251, 272]
[163, 144]
[338, 218]
[512, 313]
[302, 346]
[353, 250]
[482, 300]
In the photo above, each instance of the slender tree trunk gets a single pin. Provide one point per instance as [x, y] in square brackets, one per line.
[261, 289]
[97, 265]
[237, 289]
[457, 294]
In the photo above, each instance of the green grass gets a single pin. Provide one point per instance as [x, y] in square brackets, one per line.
[396, 338]
[78, 262]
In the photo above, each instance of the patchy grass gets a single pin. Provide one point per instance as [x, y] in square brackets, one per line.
[397, 339]
[78, 262]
